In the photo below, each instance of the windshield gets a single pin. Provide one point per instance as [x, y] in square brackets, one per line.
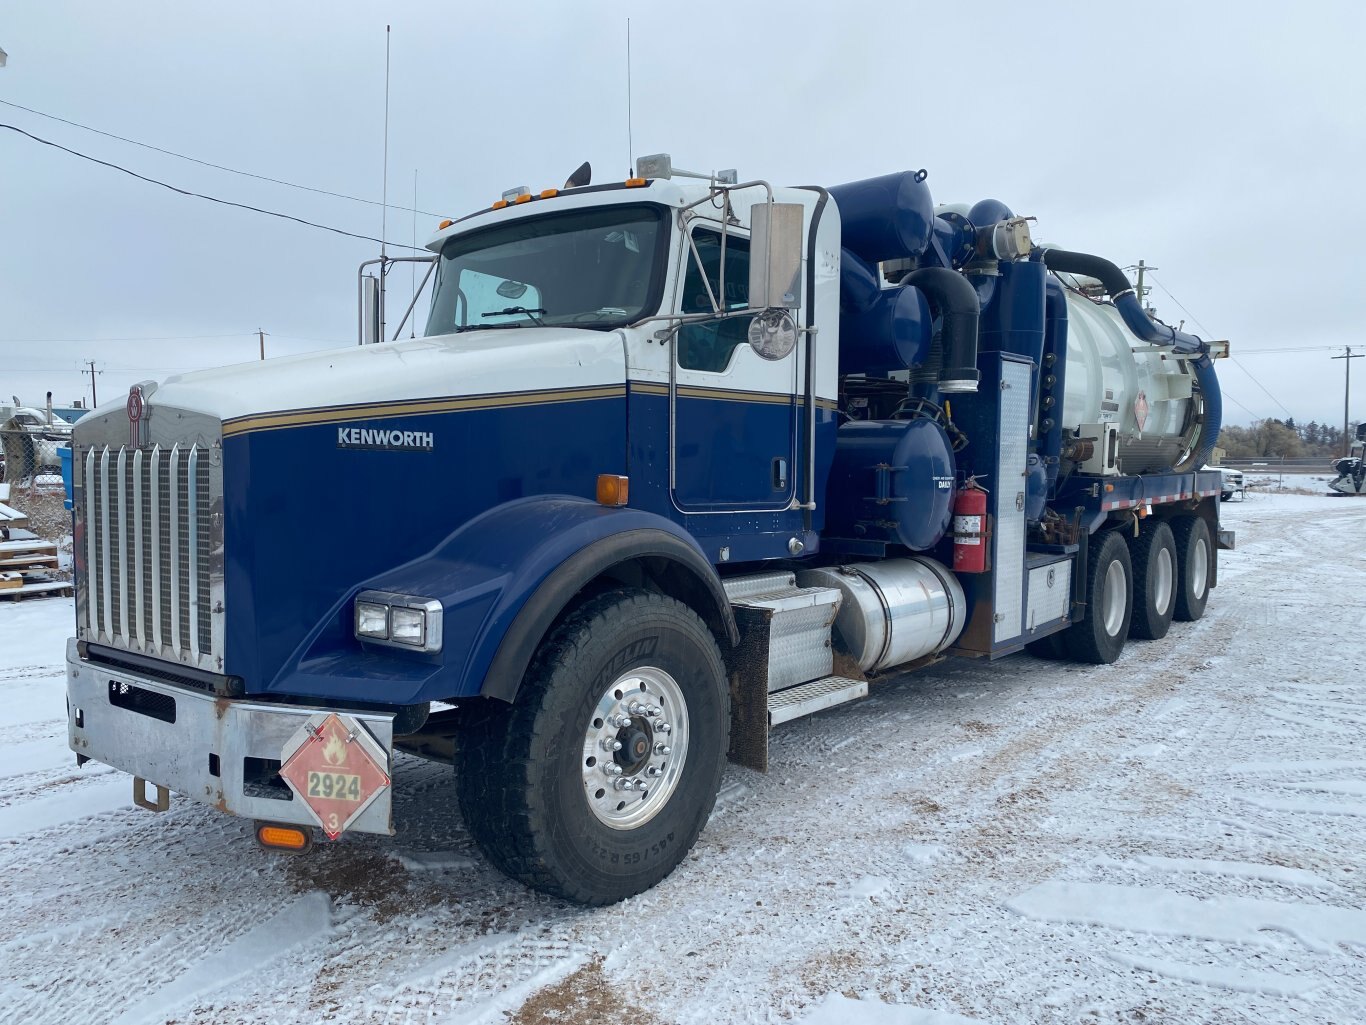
[598, 268]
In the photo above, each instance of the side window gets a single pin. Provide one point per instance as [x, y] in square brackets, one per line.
[482, 293]
[709, 346]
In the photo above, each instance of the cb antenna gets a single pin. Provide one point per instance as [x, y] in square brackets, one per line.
[384, 206]
[630, 142]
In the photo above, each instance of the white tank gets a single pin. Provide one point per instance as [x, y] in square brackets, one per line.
[1112, 377]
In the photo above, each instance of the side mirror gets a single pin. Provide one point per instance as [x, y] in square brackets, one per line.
[1361, 431]
[775, 260]
[369, 310]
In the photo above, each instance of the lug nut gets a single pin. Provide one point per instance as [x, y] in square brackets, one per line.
[663, 749]
[636, 708]
[611, 768]
[663, 727]
[654, 770]
[611, 744]
[654, 711]
[619, 721]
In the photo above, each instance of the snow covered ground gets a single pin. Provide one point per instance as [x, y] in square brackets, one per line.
[1176, 838]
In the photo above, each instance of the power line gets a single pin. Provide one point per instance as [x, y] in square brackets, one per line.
[216, 167]
[200, 195]
[1262, 386]
[1226, 395]
[1194, 320]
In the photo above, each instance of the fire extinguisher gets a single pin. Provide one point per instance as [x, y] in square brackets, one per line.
[970, 528]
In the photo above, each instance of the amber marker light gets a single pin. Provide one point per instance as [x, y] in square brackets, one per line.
[444, 224]
[549, 193]
[525, 197]
[499, 204]
[294, 839]
[613, 489]
[636, 183]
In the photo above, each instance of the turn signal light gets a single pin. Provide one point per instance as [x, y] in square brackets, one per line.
[612, 489]
[284, 838]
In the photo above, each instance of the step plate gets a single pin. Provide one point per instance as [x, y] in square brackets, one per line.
[806, 698]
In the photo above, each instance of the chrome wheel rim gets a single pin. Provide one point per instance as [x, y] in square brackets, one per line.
[1115, 599]
[1162, 586]
[1199, 568]
[634, 747]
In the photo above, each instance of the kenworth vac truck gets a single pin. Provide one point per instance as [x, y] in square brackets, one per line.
[676, 460]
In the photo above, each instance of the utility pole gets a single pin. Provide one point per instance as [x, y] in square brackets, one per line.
[94, 399]
[1347, 399]
[1140, 290]
[261, 337]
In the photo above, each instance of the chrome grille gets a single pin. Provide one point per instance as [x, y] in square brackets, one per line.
[152, 542]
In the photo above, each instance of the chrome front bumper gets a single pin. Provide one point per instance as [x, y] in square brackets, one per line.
[217, 751]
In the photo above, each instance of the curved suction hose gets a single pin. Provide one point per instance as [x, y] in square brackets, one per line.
[957, 303]
[1149, 330]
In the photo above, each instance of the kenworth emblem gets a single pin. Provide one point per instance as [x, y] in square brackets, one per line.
[383, 440]
[136, 408]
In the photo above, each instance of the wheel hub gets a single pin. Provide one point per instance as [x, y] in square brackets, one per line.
[634, 747]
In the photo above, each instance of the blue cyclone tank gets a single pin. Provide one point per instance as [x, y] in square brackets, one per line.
[892, 481]
[886, 218]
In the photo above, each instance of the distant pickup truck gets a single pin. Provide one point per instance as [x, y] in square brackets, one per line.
[1233, 482]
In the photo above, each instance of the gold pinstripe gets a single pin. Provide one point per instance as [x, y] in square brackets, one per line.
[418, 407]
[722, 394]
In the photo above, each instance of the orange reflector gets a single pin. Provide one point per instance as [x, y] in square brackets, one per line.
[612, 489]
[444, 224]
[549, 193]
[499, 204]
[1109, 488]
[635, 183]
[284, 838]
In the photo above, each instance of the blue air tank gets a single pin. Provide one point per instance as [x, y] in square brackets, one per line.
[892, 481]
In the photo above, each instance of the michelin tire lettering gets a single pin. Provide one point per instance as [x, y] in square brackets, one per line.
[377, 440]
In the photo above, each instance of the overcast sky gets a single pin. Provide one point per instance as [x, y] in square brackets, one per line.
[1223, 144]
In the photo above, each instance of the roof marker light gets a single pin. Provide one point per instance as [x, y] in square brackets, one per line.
[549, 193]
[444, 224]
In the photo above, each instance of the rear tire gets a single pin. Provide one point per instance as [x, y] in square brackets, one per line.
[1153, 554]
[538, 781]
[1099, 637]
[1195, 563]
[1052, 648]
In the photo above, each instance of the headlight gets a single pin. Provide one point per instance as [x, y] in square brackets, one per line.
[398, 620]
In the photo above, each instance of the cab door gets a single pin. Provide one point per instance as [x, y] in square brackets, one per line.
[733, 411]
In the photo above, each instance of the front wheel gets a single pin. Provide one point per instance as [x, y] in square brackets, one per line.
[596, 782]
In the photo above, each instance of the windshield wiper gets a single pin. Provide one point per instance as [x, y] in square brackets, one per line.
[511, 311]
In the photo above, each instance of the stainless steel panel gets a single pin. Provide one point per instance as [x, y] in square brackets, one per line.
[1050, 591]
[1009, 502]
[798, 621]
[757, 583]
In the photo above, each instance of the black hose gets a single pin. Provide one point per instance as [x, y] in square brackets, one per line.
[956, 301]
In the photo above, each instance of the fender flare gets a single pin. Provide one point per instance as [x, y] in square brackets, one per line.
[539, 612]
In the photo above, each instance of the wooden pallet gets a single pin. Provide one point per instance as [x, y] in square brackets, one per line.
[48, 589]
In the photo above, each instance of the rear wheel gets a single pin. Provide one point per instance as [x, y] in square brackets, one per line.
[1099, 637]
[597, 781]
[1153, 554]
[1195, 566]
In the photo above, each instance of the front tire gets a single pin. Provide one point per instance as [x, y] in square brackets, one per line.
[1153, 554]
[1099, 637]
[1195, 563]
[542, 788]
